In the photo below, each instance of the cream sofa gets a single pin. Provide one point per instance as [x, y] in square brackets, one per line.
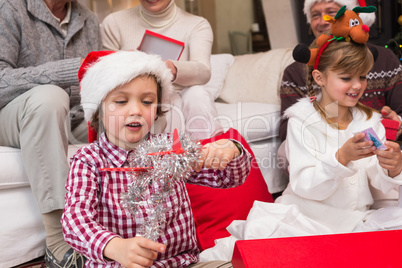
[248, 100]
[246, 90]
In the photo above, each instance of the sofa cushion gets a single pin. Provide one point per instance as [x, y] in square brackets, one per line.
[22, 231]
[255, 121]
[220, 64]
[256, 77]
[214, 209]
[13, 173]
[271, 167]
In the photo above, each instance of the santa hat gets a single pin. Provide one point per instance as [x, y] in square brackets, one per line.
[367, 18]
[103, 71]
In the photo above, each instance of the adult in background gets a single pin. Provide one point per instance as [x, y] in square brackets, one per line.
[43, 43]
[384, 81]
[193, 105]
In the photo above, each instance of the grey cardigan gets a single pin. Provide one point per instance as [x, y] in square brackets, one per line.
[33, 50]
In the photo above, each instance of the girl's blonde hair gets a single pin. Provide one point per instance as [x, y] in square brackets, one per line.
[347, 58]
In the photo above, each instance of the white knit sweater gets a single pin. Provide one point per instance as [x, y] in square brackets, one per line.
[315, 173]
[123, 30]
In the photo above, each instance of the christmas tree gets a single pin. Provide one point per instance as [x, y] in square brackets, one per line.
[395, 44]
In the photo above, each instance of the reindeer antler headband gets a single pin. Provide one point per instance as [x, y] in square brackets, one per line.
[346, 25]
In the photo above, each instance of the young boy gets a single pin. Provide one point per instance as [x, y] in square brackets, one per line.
[123, 91]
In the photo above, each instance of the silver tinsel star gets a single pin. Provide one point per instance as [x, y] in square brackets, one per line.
[151, 188]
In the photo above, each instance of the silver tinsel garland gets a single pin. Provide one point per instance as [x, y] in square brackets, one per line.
[150, 189]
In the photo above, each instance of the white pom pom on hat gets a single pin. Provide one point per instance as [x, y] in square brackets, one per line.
[367, 18]
[103, 71]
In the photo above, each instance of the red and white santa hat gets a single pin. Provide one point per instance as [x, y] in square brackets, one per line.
[367, 18]
[103, 71]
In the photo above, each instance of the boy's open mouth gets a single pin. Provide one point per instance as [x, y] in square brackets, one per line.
[136, 124]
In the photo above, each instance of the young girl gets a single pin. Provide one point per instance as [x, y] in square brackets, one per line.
[126, 87]
[331, 166]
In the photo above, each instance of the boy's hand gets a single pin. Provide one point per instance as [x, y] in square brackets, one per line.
[354, 149]
[133, 252]
[390, 159]
[217, 155]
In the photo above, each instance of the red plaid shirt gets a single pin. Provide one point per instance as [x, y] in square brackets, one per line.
[93, 214]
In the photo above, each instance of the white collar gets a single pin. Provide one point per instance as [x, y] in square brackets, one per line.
[161, 19]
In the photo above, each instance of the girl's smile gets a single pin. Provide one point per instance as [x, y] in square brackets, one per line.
[341, 88]
[353, 95]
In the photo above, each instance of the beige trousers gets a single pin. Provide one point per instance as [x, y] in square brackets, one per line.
[37, 123]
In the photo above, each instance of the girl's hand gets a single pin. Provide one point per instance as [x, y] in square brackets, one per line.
[133, 252]
[217, 155]
[390, 159]
[354, 149]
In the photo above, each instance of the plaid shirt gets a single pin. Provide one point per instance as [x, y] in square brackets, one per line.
[93, 214]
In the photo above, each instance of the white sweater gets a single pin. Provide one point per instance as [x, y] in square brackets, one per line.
[316, 177]
[123, 30]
